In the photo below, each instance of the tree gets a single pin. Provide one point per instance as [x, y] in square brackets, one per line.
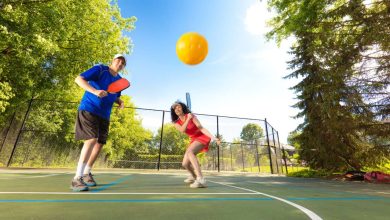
[126, 133]
[173, 141]
[45, 44]
[341, 53]
[292, 139]
[251, 132]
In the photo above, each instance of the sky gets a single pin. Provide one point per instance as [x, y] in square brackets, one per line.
[242, 75]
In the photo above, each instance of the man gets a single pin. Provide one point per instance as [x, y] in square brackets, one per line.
[93, 116]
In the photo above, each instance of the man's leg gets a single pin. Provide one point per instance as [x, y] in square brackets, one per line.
[84, 156]
[88, 177]
[78, 183]
[94, 155]
[103, 126]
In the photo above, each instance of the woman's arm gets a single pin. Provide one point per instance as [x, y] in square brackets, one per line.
[182, 128]
[204, 130]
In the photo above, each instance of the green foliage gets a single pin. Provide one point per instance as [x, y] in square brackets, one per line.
[5, 95]
[45, 44]
[341, 56]
[383, 166]
[292, 139]
[173, 141]
[251, 132]
[308, 173]
[126, 133]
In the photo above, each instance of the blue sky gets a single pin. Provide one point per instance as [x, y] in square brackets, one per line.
[241, 76]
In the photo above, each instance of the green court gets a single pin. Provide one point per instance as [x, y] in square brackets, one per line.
[45, 194]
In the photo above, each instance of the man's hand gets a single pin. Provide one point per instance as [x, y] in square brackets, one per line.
[100, 93]
[121, 104]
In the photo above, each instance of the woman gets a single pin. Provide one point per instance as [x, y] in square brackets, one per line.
[200, 137]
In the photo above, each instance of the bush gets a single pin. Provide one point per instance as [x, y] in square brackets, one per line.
[308, 173]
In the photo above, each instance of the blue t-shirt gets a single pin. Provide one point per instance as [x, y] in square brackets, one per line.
[99, 78]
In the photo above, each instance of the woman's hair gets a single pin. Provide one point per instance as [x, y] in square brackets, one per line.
[174, 117]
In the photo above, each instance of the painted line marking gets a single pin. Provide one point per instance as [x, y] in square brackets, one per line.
[30, 177]
[121, 193]
[308, 212]
[120, 180]
[131, 200]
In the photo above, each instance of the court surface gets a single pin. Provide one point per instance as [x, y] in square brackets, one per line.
[135, 194]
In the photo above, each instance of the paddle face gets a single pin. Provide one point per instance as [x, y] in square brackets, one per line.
[118, 85]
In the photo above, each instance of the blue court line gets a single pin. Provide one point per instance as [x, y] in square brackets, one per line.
[111, 184]
[179, 200]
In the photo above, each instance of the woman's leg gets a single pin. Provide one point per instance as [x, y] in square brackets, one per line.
[187, 165]
[191, 152]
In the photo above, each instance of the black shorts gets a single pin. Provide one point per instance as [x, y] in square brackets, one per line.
[89, 126]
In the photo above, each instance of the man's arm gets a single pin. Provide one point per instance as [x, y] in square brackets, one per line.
[120, 102]
[85, 85]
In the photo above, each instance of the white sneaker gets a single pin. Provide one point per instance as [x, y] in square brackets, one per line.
[199, 183]
[189, 180]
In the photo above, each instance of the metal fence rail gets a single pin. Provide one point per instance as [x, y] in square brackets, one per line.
[23, 145]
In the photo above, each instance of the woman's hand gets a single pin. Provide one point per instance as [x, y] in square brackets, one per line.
[216, 140]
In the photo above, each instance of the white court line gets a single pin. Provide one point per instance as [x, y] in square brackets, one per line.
[30, 177]
[309, 213]
[124, 193]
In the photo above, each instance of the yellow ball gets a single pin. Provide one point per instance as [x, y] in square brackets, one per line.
[191, 48]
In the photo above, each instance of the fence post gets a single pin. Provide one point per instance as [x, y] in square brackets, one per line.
[161, 139]
[257, 155]
[276, 154]
[6, 134]
[218, 147]
[20, 132]
[284, 154]
[231, 157]
[269, 147]
[242, 157]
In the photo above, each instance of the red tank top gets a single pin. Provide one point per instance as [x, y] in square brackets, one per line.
[192, 130]
[195, 134]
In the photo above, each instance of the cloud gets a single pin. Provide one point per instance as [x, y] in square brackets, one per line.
[256, 17]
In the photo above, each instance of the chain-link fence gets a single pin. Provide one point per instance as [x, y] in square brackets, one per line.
[41, 134]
